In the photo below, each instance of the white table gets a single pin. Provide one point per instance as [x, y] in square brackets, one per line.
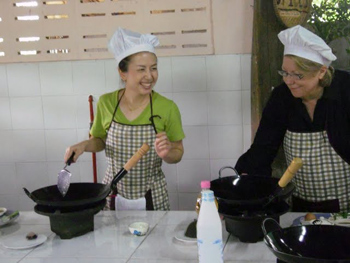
[111, 240]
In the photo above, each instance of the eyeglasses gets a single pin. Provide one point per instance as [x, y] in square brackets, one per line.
[293, 76]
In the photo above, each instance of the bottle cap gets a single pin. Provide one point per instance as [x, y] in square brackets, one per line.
[205, 184]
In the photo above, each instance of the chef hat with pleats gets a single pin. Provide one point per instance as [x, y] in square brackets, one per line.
[303, 43]
[125, 43]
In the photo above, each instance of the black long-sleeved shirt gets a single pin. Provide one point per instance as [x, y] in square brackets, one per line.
[284, 112]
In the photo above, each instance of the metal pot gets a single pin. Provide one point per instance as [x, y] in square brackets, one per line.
[308, 244]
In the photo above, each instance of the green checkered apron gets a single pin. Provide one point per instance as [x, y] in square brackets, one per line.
[121, 144]
[324, 174]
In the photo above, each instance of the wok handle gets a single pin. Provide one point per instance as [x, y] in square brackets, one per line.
[269, 225]
[70, 160]
[285, 179]
[290, 172]
[136, 157]
[30, 195]
[130, 164]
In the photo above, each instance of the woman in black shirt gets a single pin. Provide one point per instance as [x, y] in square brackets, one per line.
[310, 115]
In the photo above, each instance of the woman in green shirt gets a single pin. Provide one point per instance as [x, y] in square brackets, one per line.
[131, 116]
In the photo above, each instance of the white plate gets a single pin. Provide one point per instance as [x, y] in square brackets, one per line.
[340, 221]
[180, 236]
[2, 211]
[301, 219]
[21, 242]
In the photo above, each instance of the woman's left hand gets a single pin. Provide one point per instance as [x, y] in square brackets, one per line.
[170, 152]
[162, 145]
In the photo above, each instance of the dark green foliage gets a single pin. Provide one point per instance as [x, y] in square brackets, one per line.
[330, 19]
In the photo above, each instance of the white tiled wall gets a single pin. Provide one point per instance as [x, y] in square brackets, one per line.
[44, 109]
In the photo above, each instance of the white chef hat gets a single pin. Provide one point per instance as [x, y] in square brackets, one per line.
[125, 43]
[303, 43]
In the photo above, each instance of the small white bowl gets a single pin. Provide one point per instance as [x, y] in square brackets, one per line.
[3, 210]
[138, 228]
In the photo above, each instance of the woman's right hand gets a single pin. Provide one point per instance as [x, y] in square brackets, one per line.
[78, 149]
[91, 145]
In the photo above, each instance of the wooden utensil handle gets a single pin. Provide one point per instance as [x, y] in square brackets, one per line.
[290, 172]
[136, 157]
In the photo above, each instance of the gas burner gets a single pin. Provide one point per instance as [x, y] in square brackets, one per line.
[69, 222]
[246, 225]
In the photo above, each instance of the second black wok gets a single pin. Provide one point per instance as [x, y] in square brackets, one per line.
[248, 190]
[309, 243]
[251, 192]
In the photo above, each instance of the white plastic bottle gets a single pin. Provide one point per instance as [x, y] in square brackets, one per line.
[209, 230]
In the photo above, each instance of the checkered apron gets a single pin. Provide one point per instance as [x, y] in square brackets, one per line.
[322, 167]
[121, 144]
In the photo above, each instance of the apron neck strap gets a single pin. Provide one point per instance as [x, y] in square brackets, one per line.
[115, 110]
[153, 116]
[151, 119]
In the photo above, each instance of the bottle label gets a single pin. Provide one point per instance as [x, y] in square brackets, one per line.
[208, 196]
[210, 251]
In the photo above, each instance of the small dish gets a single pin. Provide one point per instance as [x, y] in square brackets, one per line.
[320, 221]
[180, 236]
[2, 211]
[138, 228]
[340, 221]
[301, 219]
[21, 242]
[343, 215]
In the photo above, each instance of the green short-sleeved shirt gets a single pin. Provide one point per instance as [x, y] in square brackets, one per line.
[170, 120]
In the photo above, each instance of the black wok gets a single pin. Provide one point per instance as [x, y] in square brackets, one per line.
[308, 244]
[248, 191]
[251, 192]
[79, 194]
[83, 194]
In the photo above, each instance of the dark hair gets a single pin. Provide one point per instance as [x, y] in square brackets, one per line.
[124, 64]
[309, 66]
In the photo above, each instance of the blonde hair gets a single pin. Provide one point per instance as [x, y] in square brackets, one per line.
[309, 66]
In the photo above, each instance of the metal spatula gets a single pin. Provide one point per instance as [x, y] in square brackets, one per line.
[63, 178]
